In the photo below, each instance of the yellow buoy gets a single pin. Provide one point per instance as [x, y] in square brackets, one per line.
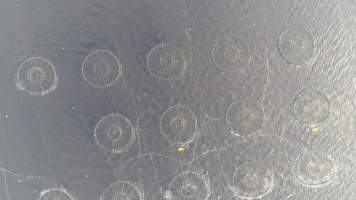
[180, 149]
[314, 130]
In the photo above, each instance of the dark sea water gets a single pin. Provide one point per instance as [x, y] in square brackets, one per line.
[185, 99]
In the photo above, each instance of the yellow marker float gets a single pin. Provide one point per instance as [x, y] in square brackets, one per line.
[314, 130]
[180, 149]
